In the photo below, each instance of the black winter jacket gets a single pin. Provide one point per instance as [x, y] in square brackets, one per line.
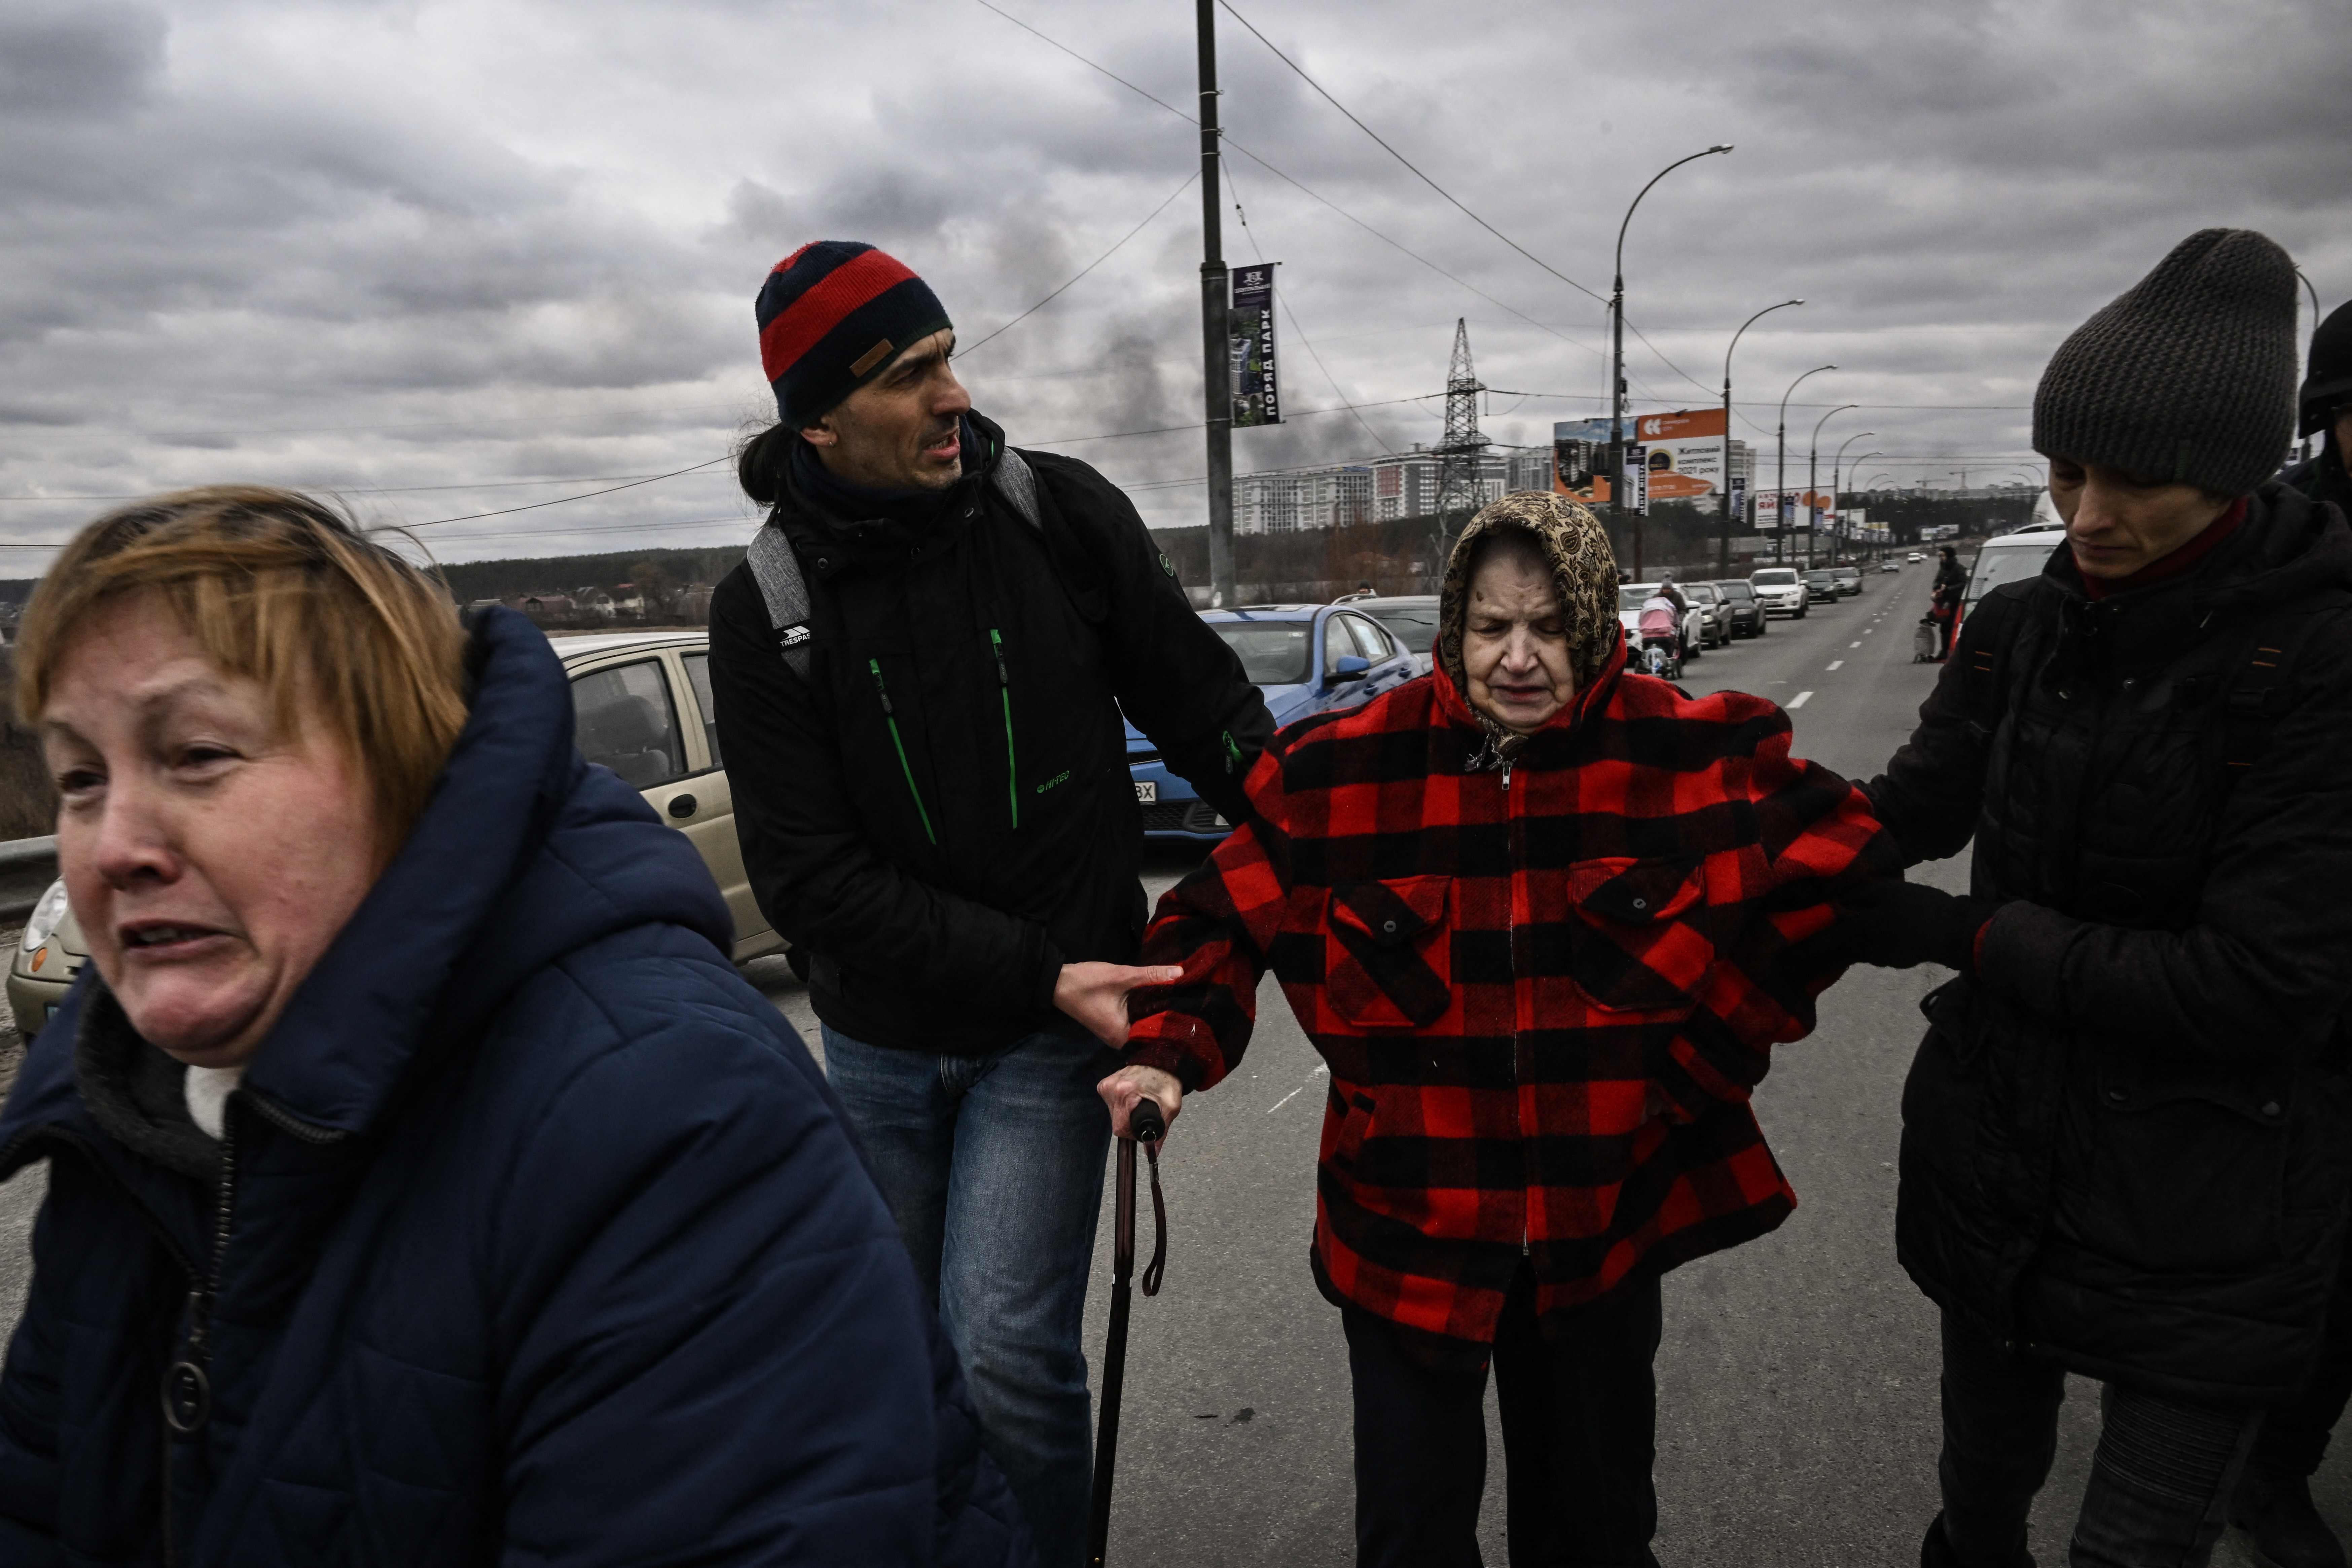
[942, 816]
[2126, 1140]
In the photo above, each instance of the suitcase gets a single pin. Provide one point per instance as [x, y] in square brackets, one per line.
[1922, 642]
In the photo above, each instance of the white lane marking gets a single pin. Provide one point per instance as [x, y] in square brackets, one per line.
[1853, 645]
[1285, 1099]
[1799, 699]
[1836, 663]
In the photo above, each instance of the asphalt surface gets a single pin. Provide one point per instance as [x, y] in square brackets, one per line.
[1797, 1380]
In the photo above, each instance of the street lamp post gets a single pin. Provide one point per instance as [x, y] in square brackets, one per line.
[1837, 523]
[1812, 479]
[1780, 469]
[1723, 559]
[1617, 360]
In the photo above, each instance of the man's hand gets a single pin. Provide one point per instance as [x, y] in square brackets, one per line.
[1096, 995]
[1125, 1089]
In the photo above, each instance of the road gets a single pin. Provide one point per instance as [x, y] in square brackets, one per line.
[1796, 1381]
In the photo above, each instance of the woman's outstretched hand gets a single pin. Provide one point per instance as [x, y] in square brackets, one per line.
[1128, 1087]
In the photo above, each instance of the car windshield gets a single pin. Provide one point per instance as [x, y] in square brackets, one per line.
[1776, 577]
[1637, 595]
[1736, 590]
[1273, 653]
[2006, 564]
[1415, 625]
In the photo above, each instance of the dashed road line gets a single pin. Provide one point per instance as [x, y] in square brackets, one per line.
[1853, 645]
[1799, 699]
[1835, 663]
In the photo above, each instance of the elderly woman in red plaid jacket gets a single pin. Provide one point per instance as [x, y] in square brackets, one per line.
[1544, 917]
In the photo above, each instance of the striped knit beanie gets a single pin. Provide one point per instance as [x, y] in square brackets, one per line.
[2188, 376]
[832, 315]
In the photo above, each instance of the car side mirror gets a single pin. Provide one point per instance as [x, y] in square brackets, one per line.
[1350, 666]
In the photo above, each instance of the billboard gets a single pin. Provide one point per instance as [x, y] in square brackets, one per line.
[1577, 461]
[1686, 452]
[1805, 505]
[1249, 334]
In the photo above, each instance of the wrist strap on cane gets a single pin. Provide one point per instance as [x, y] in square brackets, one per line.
[1159, 1264]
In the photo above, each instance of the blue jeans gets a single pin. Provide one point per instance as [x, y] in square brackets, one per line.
[993, 1167]
[2159, 1479]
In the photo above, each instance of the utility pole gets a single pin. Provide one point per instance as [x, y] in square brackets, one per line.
[1781, 471]
[1216, 301]
[1813, 480]
[1723, 561]
[1617, 362]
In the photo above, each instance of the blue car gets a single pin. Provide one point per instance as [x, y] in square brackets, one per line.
[1306, 658]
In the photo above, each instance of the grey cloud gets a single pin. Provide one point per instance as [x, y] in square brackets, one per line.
[77, 59]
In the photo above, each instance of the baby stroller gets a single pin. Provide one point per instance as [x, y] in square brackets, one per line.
[1923, 641]
[1660, 634]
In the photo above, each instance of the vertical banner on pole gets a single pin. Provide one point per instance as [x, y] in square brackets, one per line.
[1637, 479]
[1739, 501]
[1257, 393]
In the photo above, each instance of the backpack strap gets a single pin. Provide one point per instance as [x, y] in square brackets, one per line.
[784, 586]
[1985, 669]
[2261, 689]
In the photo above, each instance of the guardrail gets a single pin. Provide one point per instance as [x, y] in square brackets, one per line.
[27, 866]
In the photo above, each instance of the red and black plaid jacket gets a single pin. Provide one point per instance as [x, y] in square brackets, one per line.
[1544, 990]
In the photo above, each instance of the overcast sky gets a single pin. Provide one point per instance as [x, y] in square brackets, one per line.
[444, 258]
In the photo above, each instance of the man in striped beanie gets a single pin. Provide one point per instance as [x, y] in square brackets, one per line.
[920, 673]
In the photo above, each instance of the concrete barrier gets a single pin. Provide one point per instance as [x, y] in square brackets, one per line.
[27, 867]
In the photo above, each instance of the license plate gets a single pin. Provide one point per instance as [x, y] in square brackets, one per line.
[1147, 794]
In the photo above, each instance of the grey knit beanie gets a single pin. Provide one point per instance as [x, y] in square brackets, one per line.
[2188, 375]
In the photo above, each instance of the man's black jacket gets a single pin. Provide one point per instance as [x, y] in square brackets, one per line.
[2124, 1139]
[942, 816]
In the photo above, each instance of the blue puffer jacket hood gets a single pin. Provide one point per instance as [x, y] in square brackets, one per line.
[542, 1238]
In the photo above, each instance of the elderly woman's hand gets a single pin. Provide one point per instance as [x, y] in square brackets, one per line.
[1128, 1087]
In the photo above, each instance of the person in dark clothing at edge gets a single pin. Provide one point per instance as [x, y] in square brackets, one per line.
[2272, 1504]
[931, 788]
[1945, 593]
[2125, 1146]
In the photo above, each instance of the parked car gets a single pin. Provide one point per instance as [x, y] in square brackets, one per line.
[1410, 618]
[1743, 609]
[1714, 614]
[1849, 580]
[1306, 658]
[1781, 591]
[641, 706]
[1630, 599]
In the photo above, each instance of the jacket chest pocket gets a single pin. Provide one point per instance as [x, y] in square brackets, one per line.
[1387, 952]
[1631, 945]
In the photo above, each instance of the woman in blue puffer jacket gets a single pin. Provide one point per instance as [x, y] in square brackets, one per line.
[423, 1184]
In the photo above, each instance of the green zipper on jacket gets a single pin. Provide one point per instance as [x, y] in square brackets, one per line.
[1004, 691]
[890, 717]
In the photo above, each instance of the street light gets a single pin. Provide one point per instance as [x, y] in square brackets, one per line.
[1780, 469]
[1837, 524]
[1723, 561]
[1813, 480]
[1617, 361]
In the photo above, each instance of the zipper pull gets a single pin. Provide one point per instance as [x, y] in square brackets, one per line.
[1506, 775]
[884, 692]
[996, 645]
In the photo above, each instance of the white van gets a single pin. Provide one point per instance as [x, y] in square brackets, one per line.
[2007, 557]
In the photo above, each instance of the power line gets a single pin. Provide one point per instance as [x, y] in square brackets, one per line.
[1089, 267]
[1285, 179]
[584, 495]
[1400, 158]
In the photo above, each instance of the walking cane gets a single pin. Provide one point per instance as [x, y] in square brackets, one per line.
[1149, 1127]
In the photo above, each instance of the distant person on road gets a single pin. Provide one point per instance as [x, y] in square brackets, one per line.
[2272, 1503]
[2126, 1145]
[1544, 918]
[920, 673]
[424, 1187]
[1944, 596]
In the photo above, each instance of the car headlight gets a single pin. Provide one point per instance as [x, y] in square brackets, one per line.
[46, 916]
